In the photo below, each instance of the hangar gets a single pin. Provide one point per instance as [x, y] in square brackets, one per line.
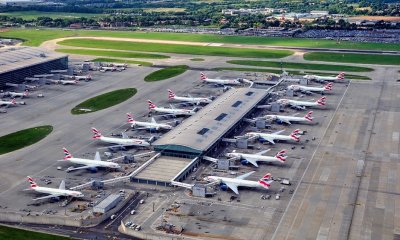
[17, 63]
[180, 150]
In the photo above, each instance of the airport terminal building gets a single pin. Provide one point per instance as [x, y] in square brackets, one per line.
[180, 150]
[17, 63]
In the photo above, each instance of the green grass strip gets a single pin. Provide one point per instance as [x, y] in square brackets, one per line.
[115, 60]
[20, 234]
[111, 53]
[380, 59]
[306, 66]
[279, 71]
[104, 101]
[35, 37]
[177, 48]
[23, 138]
[166, 73]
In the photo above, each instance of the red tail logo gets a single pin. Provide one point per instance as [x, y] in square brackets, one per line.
[308, 116]
[203, 76]
[33, 184]
[96, 133]
[151, 104]
[294, 135]
[321, 101]
[328, 86]
[13, 101]
[340, 76]
[171, 94]
[130, 118]
[264, 183]
[67, 155]
[26, 93]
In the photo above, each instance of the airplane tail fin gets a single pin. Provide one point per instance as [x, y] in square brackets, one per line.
[33, 183]
[308, 116]
[294, 135]
[340, 76]
[266, 181]
[328, 86]
[171, 94]
[281, 155]
[13, 101]
[151, 104]
[130, 118]
[67, 155]
[76, 81]
[321, 101]
[96, 133]
[203, 76]
[89, 77]
[26, 93]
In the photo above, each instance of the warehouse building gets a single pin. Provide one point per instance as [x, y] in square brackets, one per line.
[17, 63]
[200, 135]
[107, 204]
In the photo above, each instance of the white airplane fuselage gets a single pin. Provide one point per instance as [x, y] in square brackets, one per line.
[237, 182]
[58, 192]
[7, 103]
[97, 163]
[257, 158]
[124, 141]
[150, 125]
[322, 78]
[192, 99]
[222, 81]
[17, 94]
[298, 103]
[287, 118]
[173, 111]
[309, 89]
[272, 137]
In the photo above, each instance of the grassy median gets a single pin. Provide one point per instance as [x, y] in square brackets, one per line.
[177, 48]
[104, 101]
[379, 59]
[115, 60]
[105, 53]
[21, 234]
[166, 73]
[23, 138]
[306, 66]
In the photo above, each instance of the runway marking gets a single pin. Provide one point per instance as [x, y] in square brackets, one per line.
[304, 173]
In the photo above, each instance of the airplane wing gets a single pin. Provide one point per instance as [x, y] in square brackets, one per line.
[262, 152]
[269, 140]
[285, 121]
[278, 132]
[97, 156]
[114, 159]
[46, 197]
[294, 115]
[245, 175]
[153, 120]
[233, 187]
[124, 136]
[252, 161]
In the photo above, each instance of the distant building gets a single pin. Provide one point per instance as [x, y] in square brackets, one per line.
[319, 13]
[107, 204]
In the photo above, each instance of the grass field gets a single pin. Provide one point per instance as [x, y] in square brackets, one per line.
[23, 138]
[36, 37]
[177, 48]
[353, 58]
[306, 66]
[19, 234]
[29, 15]
[279, 71]
[115, 60]
[104, 101]
[166, 73]
[105, 53]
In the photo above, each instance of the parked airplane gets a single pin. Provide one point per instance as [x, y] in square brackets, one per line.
[67, 82]
[151, 126]
[339, 77]
[246, 158]
[289, 119]
[85, 78]
[234, 183]
[122, 142]
[310, 90]
[170, 111]
[53, 192]
[120, 65]
[18, 94]
[105, 69]
[89, 164]
[204, 78]
[8, 103]
[272, 137]
[301, 105]
[189, 99]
